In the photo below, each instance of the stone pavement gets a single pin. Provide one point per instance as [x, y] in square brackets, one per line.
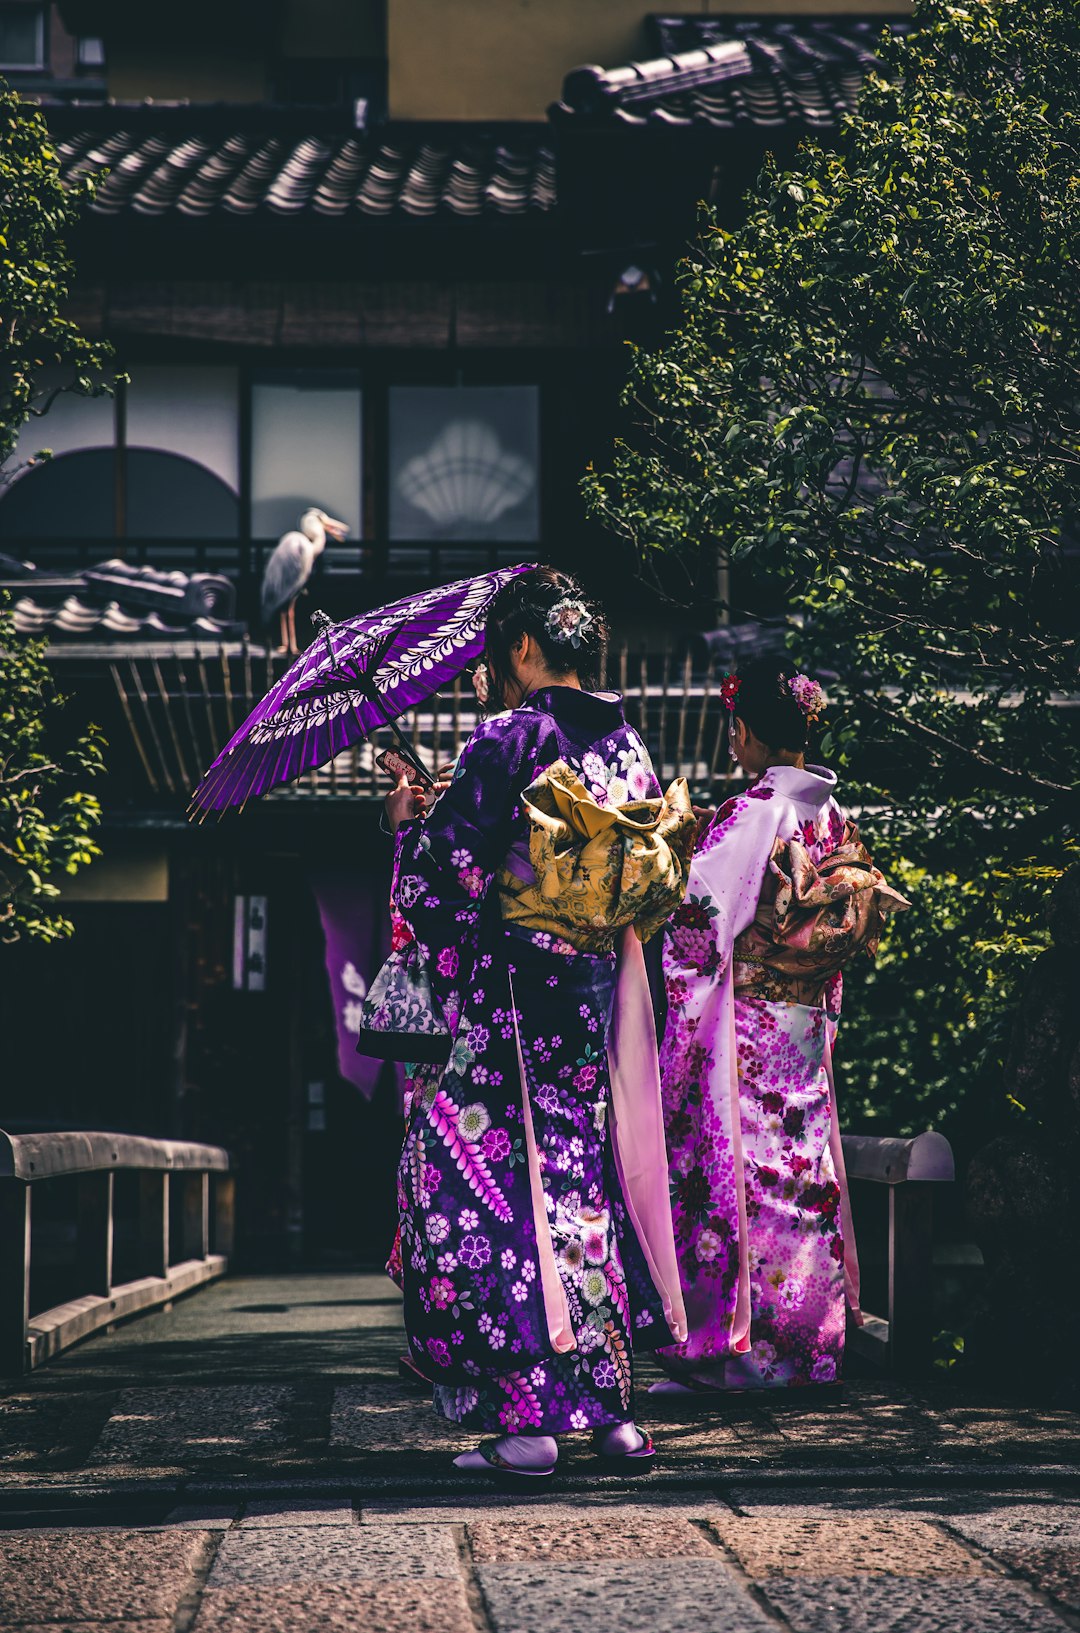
[708, 1561]
[248, 1461]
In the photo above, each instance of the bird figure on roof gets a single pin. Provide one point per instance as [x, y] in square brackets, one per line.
[290, 566]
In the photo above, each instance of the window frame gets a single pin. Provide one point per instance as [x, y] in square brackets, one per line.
[382, 562]
[39, 12]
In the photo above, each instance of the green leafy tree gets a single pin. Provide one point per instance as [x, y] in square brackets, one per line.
[872, 407]
[36, 209]
[46, 826]
[46, 823]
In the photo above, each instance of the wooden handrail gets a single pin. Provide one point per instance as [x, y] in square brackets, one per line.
[27, 1338]
[892, 1161]
[47, 1156]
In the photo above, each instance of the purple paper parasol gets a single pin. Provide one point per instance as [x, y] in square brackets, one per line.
[354, 677]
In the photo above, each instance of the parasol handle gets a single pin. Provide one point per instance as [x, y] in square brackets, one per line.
[363, 683]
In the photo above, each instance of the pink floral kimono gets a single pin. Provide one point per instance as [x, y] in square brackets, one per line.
[781, 894]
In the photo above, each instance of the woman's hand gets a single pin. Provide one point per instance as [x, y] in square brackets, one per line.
[403, 803]
[704, 814]
[444, 777]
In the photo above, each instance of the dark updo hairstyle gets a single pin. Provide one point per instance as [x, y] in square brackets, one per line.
[766, 703]
[522, 607]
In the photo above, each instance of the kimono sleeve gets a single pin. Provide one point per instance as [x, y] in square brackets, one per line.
[445, 862]
[726, 876]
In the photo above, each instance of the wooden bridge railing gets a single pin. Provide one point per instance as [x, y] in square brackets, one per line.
[206, 1215]
[912, 1169]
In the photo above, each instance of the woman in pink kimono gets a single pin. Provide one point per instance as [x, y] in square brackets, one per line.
[781, 895]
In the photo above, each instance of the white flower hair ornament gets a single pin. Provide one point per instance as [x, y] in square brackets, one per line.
[808, 695]
[568, 620]
[481, 684]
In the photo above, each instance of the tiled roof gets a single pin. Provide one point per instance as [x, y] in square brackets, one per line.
[730, 72]
[116, 601]
[214, 171]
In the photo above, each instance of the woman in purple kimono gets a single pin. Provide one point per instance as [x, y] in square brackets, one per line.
[781, 895]
[536, 1242]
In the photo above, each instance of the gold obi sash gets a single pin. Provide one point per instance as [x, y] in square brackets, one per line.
[810, 921]
[593, 869]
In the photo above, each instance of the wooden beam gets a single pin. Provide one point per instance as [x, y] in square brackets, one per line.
[14, 1275]
[54, 1330]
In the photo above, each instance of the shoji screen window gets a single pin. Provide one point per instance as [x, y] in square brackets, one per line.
[306, 453]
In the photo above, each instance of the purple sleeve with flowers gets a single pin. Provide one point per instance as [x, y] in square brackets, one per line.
[725, 882]
[445, 863]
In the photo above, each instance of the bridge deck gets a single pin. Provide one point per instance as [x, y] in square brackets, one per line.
[248, 1460]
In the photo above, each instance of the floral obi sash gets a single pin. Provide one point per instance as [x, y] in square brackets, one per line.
[811, 920]
[593, 869]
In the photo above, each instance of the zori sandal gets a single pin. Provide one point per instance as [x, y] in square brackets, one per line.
[638, 1461]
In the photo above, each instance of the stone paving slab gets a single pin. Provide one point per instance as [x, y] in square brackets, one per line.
[191, 1425]
[34, 1431]
[488, 1504]
[329, 1553]
[201, 1516]
[639, 1596]
[863, 1604]
[92, 1575]
[380, 1417]
[586, 1535]
[157, 1624]
[430, 1606]
[312, 1511]
[1055, 1569]
[936, 1497]
[1008, 1523]
[788, 1541]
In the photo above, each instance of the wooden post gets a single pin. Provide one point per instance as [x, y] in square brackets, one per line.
[196, 1220]
[911, 1235]
[14, 1275]
[224, 1238]
[153, 1222]
[94, 1242]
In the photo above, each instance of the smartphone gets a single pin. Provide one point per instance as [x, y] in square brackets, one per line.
[395, 765]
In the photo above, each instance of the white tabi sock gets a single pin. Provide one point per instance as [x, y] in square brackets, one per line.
[529, 1451]
[521, 1451]
[619, 1438]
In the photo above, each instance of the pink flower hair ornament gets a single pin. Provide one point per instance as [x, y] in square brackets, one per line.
[729, 691]
[808, 695]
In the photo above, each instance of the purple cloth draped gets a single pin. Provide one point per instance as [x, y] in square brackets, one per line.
[356, 926]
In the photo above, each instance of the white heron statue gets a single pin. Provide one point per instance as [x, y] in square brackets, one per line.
[290, 566]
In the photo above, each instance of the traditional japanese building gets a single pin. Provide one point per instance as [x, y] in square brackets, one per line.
[379, 257]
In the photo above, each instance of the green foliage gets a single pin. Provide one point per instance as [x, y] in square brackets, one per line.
[44, 829]
[927, 1025]
[46, 824]
[873, 403]
[35, 273]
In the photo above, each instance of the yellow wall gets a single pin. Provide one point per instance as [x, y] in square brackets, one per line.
[142, 876]
[506, 59]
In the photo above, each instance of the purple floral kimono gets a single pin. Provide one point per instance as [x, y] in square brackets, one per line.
[752, 967]
[529, 1271]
